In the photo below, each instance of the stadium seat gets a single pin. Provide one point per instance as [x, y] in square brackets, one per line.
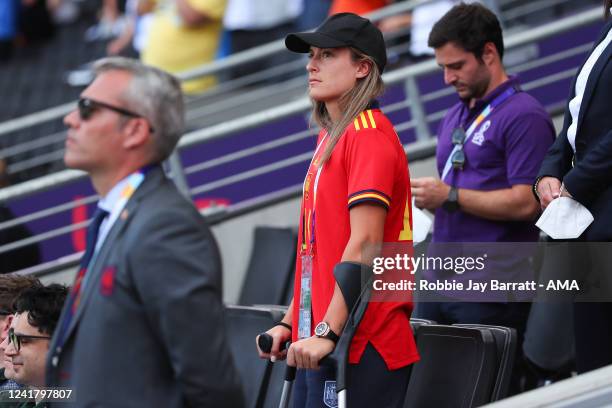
[457, 368]
[243, 325]
[506, 343]
[415, 323]
[271, 267]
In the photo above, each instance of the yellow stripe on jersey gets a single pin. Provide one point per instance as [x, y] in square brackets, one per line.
[308, 227]
[406, 232]
[369, 195]
[357, 124]
[364, 122]
[371, 118]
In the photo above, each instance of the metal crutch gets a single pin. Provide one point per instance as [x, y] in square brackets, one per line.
[265, 344]
[340, 353]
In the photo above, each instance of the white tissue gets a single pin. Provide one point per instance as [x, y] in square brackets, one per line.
[565, 218]
[421, 224]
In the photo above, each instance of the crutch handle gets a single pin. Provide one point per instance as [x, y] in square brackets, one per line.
[290, 373]
[265, 343]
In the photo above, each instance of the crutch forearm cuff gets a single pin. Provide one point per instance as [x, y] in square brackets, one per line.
[351, 277]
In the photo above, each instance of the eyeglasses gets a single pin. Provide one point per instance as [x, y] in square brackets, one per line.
[16, 338]
[88, 106]
[458, 138]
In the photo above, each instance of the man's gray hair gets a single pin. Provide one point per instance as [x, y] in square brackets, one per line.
[154, 94]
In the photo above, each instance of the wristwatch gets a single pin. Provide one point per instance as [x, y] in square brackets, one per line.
[323, 331]
[452, 202]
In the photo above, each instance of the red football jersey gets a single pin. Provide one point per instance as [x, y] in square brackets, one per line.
[368, 165]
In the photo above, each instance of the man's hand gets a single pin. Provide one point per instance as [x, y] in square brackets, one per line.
[308, 352]
[549, 188]
[280, 335]
[429, 192]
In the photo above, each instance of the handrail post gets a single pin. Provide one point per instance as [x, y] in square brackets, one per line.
[177, 173]
[416, 108]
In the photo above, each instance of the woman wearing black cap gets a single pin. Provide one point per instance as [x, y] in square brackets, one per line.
[355, 198]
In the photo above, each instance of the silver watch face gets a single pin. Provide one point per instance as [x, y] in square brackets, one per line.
[321, 329]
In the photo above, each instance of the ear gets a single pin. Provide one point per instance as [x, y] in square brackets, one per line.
[5, 324]
[137, 133]
[489, 53]
[363, 68]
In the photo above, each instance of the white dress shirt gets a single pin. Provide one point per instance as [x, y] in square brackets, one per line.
[113, 205]
[581, 82]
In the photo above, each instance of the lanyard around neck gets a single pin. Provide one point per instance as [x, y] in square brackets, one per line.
[314, 197]
[479, 119]
[133, 181]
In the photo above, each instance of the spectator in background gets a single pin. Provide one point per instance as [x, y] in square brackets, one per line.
[111, 24]
[251, 23]
[8, 27]
[138, 17]
[313, 14]
[185, 34]
[37, 310]
[490, 145]
[10, 288]
[22, 257]
[424, 17]
[151, 272]
[35, 23]
[578, 165]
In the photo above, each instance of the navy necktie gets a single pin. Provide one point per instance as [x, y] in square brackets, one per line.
[92, 235]
[73, 300]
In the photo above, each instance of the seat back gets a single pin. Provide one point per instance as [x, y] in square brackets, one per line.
[271, 266]
[506, 343]
[457, 368]
[243, 325]
[415, 323]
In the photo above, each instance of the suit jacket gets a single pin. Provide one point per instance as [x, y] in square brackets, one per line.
[149, 329]
[590, 180]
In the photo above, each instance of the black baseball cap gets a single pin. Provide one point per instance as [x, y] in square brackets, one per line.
[343, 30]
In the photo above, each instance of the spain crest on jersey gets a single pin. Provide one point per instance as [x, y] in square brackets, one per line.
[330, 398]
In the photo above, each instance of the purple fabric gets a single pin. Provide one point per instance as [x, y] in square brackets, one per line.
[513, 141]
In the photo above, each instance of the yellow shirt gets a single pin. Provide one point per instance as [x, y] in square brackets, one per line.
[174, 47]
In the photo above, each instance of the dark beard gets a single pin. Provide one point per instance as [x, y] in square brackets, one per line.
[477, 90]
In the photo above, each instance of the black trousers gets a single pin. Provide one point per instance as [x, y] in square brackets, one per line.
[369, 384]
[593, 334]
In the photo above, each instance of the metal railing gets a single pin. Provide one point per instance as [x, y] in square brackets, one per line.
[302, 104]
[205, 108]
[420, 120]
[224, 98]
[213, 68]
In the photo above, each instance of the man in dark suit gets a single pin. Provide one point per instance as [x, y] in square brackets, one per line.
[581, 160]
[143, 325]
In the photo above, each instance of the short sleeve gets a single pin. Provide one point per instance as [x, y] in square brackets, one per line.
[213, 9]
[370, 163]
[526, 143]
